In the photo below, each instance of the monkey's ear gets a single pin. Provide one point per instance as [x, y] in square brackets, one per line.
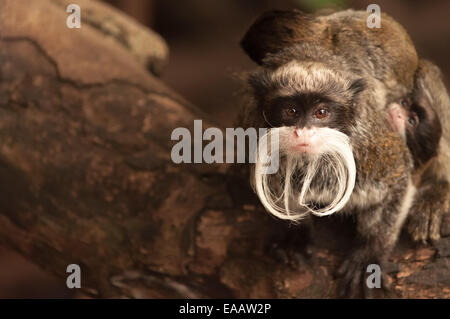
[357, 86]
[274, 31]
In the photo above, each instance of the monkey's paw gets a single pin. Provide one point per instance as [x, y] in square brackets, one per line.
[288, 256]
[356, 280]
[424, 222]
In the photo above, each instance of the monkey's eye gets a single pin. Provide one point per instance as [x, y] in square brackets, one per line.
[413, 120]
[290, 111]
[405, 102]
[321, 113]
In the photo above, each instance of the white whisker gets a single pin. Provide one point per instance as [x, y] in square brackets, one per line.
[333, 161]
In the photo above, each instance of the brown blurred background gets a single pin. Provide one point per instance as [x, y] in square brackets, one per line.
[203, 37]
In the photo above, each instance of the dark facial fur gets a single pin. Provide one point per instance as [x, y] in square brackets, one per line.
[306, 110]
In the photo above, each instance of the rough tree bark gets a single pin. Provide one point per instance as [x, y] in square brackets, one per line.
[86, 175]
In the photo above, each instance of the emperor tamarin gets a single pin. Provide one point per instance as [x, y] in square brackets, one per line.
[416, 99]
[338, 152]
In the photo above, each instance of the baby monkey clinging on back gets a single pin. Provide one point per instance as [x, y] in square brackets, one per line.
[337, 151]
[423, 120]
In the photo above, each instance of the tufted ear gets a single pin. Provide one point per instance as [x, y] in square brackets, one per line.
[274, 31]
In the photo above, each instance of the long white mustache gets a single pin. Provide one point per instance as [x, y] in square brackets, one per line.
[333, 160]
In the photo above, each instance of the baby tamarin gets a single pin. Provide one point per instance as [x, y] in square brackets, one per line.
[422, 119]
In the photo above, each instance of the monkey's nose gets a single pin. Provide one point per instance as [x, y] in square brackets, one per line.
[303, 132]
[298, 132]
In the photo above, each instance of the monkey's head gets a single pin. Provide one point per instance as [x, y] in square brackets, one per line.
[311, 108]
[415, 117]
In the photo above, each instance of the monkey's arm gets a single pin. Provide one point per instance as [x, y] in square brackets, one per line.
[378, 228]
[379, 217]
[431, 204]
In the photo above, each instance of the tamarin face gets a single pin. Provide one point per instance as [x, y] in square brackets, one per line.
[307, 114]
[306, 98]
[419, 125]
[311, 108]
